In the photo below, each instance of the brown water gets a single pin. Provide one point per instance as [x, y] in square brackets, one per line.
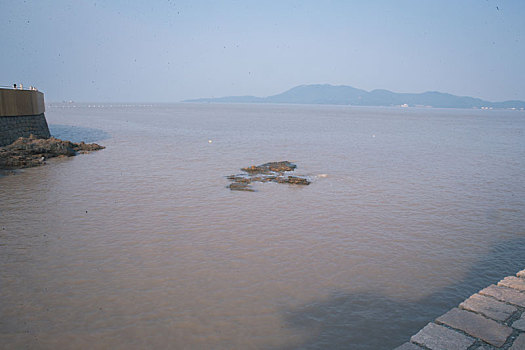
[142, 246]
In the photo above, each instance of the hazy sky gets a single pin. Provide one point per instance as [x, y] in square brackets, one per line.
[167, 51]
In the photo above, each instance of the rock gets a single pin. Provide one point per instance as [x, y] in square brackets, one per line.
[268, 172]
[88, 147]
[27, 152]
[255, 170]
[239, 178]
[239, 186]
[296, 180]
[268, 168]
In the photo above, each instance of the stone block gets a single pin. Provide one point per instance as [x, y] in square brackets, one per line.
[477, 326]
[520, 324]
[519, 343]
[513, 282]
[489, 307]
[437, 337]
[408, 346]
[521, 274]
[505, 294]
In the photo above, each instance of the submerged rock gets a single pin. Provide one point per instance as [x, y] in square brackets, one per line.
[268, 172]
[27, 152]
[240, 186]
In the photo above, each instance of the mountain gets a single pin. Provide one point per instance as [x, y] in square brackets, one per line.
[347, 95]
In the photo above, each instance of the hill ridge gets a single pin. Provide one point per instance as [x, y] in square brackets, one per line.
[348, 95]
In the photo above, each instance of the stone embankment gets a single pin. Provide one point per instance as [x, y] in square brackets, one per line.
[11, 128]
[27, 152]
[493, 318]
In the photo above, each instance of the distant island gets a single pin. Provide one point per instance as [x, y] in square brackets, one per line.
[347, 95]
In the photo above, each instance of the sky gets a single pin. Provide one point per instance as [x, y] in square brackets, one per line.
[168, 51]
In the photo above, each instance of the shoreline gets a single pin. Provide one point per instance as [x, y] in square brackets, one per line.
[493, 318]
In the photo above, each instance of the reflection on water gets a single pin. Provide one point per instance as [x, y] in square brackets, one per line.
[77, 133]
[140, 245]
[325, 322]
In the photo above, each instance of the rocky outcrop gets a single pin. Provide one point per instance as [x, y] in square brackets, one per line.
[27, 152]
[269, 168]
[268, 172]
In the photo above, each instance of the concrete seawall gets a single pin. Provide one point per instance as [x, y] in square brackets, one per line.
[21, 114]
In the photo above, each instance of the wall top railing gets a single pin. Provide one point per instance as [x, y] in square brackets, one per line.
[19, 87]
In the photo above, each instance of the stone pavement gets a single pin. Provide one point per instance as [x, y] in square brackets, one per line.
[493, 318]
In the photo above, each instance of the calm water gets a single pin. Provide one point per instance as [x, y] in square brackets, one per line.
[142, 246]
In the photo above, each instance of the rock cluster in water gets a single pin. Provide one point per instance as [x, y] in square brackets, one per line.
[268, 172]
[27, 152]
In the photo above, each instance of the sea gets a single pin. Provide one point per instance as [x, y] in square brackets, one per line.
[142, 245]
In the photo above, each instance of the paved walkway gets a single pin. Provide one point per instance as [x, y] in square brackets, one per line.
[493, 318]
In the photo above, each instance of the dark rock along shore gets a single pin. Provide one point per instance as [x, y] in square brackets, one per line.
[27, 152]
[268, 172]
